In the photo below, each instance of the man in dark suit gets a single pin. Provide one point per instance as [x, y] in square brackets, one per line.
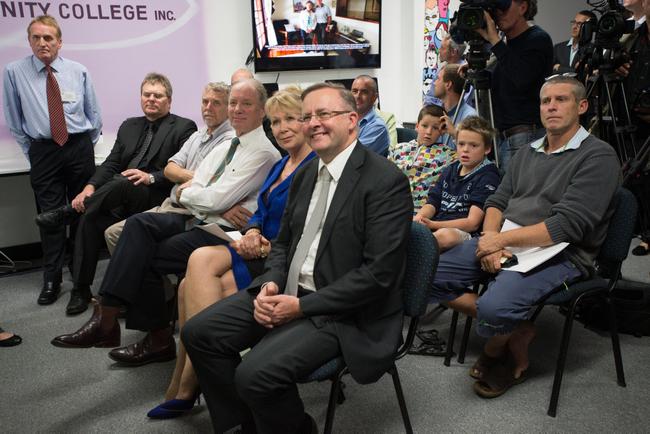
[565, 54]
[331, 284]
[131, 180]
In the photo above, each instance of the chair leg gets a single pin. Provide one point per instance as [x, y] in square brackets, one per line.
[616, 346]
[335, 391]
[465, 340]
[400, 400]
[451, 338]
[561, 361]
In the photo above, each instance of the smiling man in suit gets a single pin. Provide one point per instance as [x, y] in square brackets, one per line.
[129, 181]
[331, 284]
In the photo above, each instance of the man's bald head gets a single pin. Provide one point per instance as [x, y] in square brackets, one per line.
[240, 74]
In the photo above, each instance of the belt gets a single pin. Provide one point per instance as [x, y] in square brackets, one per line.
[523, 128]
[71, 137]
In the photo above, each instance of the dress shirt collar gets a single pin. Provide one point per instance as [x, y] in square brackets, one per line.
[224, 127]
[569, 43]
[336, 166]
[252, 136]
[573, 143]
[371, 115]
[56, 65]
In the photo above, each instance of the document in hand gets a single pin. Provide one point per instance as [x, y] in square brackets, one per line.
[214, 229]
[530, 257]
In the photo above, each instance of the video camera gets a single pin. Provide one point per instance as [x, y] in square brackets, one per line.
[470, 17]
[600, 40]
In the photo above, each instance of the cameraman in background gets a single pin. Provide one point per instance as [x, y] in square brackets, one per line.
[523, 60]
[637, 86]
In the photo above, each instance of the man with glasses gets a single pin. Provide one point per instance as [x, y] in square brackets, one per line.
[565, 54]
[331, 285]
[129, 181]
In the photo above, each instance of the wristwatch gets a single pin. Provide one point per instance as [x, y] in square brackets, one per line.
[152, 179]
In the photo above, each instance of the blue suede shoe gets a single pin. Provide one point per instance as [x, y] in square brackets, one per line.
[172, 408]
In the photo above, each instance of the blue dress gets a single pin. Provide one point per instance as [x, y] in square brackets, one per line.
[270, 207]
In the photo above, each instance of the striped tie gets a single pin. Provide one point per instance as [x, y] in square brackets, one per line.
[55, 107]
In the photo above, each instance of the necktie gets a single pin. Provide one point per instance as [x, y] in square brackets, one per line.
[135, 162]
[308, 234]
[222, 166]
[58, 127]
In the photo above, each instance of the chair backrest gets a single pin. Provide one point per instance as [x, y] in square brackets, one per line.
[616, 246]
[422, 261]
[406, 135]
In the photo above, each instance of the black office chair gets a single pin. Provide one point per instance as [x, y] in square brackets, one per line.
[406, 135]
[479, 288]
[422, 260]
[612, 254]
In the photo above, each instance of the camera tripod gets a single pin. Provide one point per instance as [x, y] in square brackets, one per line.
[477, 81]
[614, 126]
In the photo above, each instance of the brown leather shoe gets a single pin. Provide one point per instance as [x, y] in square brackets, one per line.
[91, 334]
[144, 352]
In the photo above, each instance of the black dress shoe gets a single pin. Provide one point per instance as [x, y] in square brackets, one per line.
[11, 342]
[144, 352]
[56, 217]
[79, 299]
[49, 293]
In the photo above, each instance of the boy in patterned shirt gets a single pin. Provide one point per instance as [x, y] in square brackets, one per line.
[422, 160]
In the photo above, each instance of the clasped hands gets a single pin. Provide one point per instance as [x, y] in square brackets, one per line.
[490, 250]
[252, 245]
[273, 309]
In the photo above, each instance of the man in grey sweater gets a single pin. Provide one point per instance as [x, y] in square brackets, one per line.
[559, 189]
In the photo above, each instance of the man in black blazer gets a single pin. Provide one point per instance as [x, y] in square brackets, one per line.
[565, 54]
[129, 181]
[335, 292]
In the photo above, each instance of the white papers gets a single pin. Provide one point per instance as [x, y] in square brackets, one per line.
[289, 28]
[530, 257]
[214, 229]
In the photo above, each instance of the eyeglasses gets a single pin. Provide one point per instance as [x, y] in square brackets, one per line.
[323, 116]
[577, 23]
[565, 74]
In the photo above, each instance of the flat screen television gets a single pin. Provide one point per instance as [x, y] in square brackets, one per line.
[287, 35]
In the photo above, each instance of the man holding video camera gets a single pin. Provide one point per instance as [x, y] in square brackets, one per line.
[523, 60]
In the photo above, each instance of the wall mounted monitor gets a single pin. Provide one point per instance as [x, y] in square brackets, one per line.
[319, 34]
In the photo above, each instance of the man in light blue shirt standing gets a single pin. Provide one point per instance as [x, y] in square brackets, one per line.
[51, 109]
[323, 19]
[373, 132]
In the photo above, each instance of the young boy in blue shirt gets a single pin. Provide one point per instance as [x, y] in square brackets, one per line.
[454, 209]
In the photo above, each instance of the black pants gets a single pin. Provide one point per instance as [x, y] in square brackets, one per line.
[112, 202]
[261, 387]
[150, 246]
[58, 174]
[320, 32]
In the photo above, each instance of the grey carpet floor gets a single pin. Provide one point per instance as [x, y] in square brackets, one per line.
[49, 389]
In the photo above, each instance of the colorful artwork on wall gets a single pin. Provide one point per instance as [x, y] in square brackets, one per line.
[437, 15]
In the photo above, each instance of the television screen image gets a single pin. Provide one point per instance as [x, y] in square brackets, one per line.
[316, 34]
